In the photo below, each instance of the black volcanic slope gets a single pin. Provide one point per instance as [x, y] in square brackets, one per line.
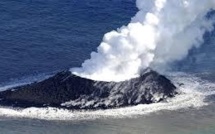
[66, 90]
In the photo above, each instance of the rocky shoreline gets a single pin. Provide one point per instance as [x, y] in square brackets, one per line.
[65, 90]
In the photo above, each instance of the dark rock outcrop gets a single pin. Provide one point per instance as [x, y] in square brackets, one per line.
[66, 90]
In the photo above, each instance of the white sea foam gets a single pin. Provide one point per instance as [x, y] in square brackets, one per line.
[24, 81]
[193, 93]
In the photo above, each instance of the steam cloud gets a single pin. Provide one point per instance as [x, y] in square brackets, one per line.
[161, 32]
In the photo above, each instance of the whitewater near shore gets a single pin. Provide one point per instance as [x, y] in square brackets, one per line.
[42, 37]
[194, 93]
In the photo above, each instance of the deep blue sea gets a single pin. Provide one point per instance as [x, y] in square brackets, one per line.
[45, 36]
[41, 37]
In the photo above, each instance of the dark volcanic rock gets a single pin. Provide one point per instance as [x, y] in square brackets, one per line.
[66, 90]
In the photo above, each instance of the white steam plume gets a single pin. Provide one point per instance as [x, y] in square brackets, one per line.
[161, 32]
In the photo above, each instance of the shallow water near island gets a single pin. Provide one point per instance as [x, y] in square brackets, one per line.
[190, 112]
[186, 121]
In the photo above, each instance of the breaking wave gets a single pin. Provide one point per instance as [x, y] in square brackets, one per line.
[193, 91]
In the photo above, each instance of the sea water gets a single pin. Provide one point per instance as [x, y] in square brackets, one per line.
[41, 37]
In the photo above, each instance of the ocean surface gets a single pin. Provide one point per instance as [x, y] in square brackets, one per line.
[41, 37]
